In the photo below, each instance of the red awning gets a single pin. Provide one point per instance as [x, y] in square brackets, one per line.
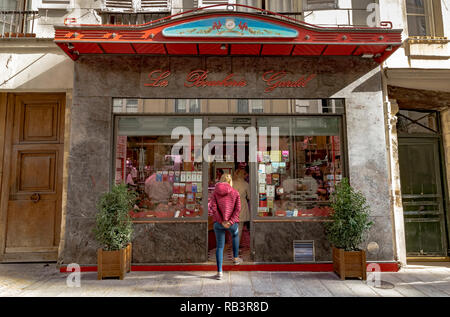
[224, 33]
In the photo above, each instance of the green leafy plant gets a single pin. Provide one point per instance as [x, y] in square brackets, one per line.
[113, 224]
[350, 217]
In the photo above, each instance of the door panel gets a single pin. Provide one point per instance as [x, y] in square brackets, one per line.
[31, 225]
[38, 119]
[423, 204]
[35, 171]
[33, 212]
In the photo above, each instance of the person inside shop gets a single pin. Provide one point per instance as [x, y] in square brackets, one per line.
[321, 185]
[241, 185]
[158, 190]
[310, 182]
[225, 208]
[130, 181]
[219, 173]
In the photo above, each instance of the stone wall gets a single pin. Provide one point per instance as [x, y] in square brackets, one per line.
[100, 78]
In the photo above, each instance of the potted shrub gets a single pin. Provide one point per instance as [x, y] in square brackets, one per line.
[347, 230]
[113, 231]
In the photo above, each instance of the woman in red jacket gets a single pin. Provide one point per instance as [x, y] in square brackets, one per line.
[225, 207]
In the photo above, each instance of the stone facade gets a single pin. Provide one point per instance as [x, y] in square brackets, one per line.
[98, 79]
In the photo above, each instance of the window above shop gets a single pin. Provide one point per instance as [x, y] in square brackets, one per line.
[136, 5]
[424, 18]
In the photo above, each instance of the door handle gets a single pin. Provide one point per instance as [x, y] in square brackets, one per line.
[35, 197]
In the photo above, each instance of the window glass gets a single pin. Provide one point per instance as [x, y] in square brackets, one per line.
[296, 179]
[187, 105]
[208, 106]
[257, 106]
[417, 122]
[242, 105]
[293, 170]
[167, 184]
[125, 105]
[417, 25]
[415, 6]
[417, 21]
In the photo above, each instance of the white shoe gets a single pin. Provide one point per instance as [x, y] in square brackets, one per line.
[237, 261]
[219, 275]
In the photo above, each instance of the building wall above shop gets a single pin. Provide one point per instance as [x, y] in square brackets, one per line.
[34, 65]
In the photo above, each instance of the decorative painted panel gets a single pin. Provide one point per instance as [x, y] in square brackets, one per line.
[230, 27]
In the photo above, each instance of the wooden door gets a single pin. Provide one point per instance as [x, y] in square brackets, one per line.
[32, 185]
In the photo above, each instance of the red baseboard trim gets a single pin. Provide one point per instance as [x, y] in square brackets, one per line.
[313, 267]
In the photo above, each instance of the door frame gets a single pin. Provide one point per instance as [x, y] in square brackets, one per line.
[441, 169]
[7, 130]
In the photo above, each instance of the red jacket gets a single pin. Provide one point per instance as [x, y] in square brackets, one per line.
[229, 202]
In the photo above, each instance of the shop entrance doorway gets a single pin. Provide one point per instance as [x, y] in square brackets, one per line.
[422, 184]
[238, 166]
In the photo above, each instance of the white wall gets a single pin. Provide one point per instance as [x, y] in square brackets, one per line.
[426, 55]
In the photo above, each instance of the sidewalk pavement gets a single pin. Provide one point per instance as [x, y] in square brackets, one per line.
[420, 279]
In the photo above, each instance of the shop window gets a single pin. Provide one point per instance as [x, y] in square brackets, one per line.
[293, 174]
[297, 178]
[424, 18]
[168, 184]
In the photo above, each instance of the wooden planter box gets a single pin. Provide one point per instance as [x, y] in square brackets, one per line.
[113, 263]
[349, 263]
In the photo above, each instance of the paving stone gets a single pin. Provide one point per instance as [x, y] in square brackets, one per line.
[191, 283]
[402, 287]
[262, 284]
[360, 288]
[336, 286]
[427, 287]
[241, 285]
[309, 284]
[285, 284]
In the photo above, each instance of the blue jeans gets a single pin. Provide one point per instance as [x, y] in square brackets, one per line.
[220, 230]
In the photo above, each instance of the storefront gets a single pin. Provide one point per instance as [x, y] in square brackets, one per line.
[295, 107]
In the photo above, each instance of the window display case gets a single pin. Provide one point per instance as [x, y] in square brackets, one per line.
[296, 179]
[168, 186]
